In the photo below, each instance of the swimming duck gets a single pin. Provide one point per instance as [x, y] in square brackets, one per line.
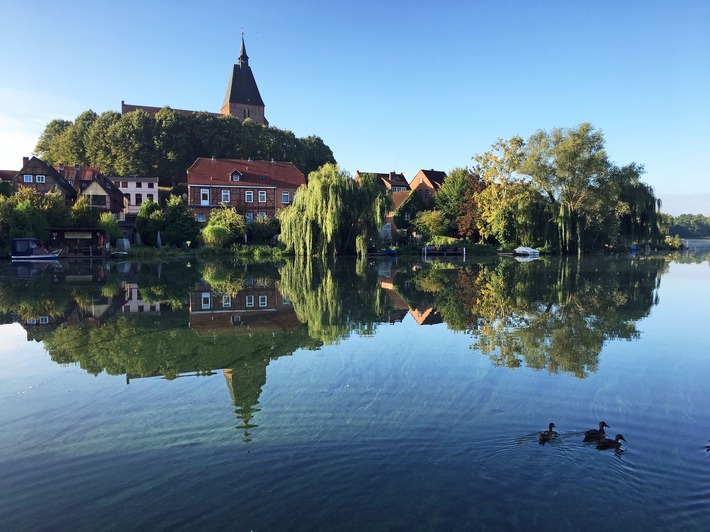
[596, 434]
[547, 435]
[608, 443]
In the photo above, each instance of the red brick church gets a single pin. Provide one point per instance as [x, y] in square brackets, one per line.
[242, 99]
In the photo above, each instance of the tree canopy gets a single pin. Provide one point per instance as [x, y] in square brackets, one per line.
[165, 145]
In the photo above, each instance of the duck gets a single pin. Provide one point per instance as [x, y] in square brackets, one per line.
[596, 434]
[608, 443]
[547, 435]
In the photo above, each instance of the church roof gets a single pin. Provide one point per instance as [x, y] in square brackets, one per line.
[242, 85]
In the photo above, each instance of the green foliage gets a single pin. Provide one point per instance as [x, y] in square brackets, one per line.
[28, 214]
[82, 215]
[168, 143]
[449, 199]
[263, 230]
[149, 221]
[109, 224]
[432, 223]
[215, 236]
[690, 226]
[333, 214]
[224, 228]
[408, 210]
[179, 223]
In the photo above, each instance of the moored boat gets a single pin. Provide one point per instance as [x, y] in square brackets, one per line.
[31, 249]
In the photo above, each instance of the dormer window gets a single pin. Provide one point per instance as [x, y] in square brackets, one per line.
[236, 175]
[28, 178]
[40, 179]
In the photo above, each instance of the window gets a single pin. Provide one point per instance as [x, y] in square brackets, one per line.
[263, 300]
[139, 184]
[249, 196]
[40, 179]
[44, 320]
[225, 196]
[28, 178]
[201, 217]
[206, 300]
[149, 197]
[261, 214]
[139, 199]
[249, 217]
[426, 192]
[262, 196]
[285, 197]
[407, 217]
[124, 184]
[235, 176]
[250, 301]
[204, 196]
[151, 185]
[32, 321]
[226, 301]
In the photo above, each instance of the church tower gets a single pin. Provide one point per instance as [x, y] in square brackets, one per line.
[243, 99]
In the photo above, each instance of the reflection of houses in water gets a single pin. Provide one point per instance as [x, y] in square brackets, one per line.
[257, 311]
[134, 303]
[426, 315]
[259, 307]
[423, 313]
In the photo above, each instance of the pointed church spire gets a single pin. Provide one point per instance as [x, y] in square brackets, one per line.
[243, 57]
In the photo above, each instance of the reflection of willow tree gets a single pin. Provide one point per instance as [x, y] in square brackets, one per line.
[334, 300]
[548, 315]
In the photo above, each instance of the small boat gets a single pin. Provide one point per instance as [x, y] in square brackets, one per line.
[526, 252]
[31, 249]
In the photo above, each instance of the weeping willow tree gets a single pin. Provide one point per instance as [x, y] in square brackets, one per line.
[334, 214]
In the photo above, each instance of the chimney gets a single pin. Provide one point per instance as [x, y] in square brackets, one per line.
[25, 160]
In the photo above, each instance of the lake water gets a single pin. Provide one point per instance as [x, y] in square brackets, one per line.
[374, 396]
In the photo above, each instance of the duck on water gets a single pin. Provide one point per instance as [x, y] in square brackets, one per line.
[608, 443]
[596, 434]
[547, 435]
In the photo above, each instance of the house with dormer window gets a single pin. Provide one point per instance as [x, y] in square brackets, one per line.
[256, 189]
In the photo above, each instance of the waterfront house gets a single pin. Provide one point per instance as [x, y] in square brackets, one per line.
[427, 183]
[136, 189]
[256, 189]
[43, 178]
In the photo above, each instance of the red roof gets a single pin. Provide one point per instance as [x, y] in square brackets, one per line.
[205, 171]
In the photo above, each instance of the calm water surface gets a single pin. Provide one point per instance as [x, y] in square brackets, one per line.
[381, 396]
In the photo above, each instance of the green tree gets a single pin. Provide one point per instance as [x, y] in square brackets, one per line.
[149, 221]
[449, 199]
[179, 223]
[432, 223]
[334, 214]
[45, 148]
[225, 227]
[408, 210]
[100, 142]
[566, 165]
[83, 215]
[134, 150]
[109, 224]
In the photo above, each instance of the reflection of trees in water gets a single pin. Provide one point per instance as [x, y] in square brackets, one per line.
[334, 300]
[554, 314]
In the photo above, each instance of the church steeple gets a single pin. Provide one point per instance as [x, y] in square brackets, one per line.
[242, 99]
[243, 60]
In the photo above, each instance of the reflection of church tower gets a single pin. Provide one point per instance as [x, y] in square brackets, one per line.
[242, 99]
[245, 382]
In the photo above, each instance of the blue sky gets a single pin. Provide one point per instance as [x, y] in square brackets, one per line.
[389, 86]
